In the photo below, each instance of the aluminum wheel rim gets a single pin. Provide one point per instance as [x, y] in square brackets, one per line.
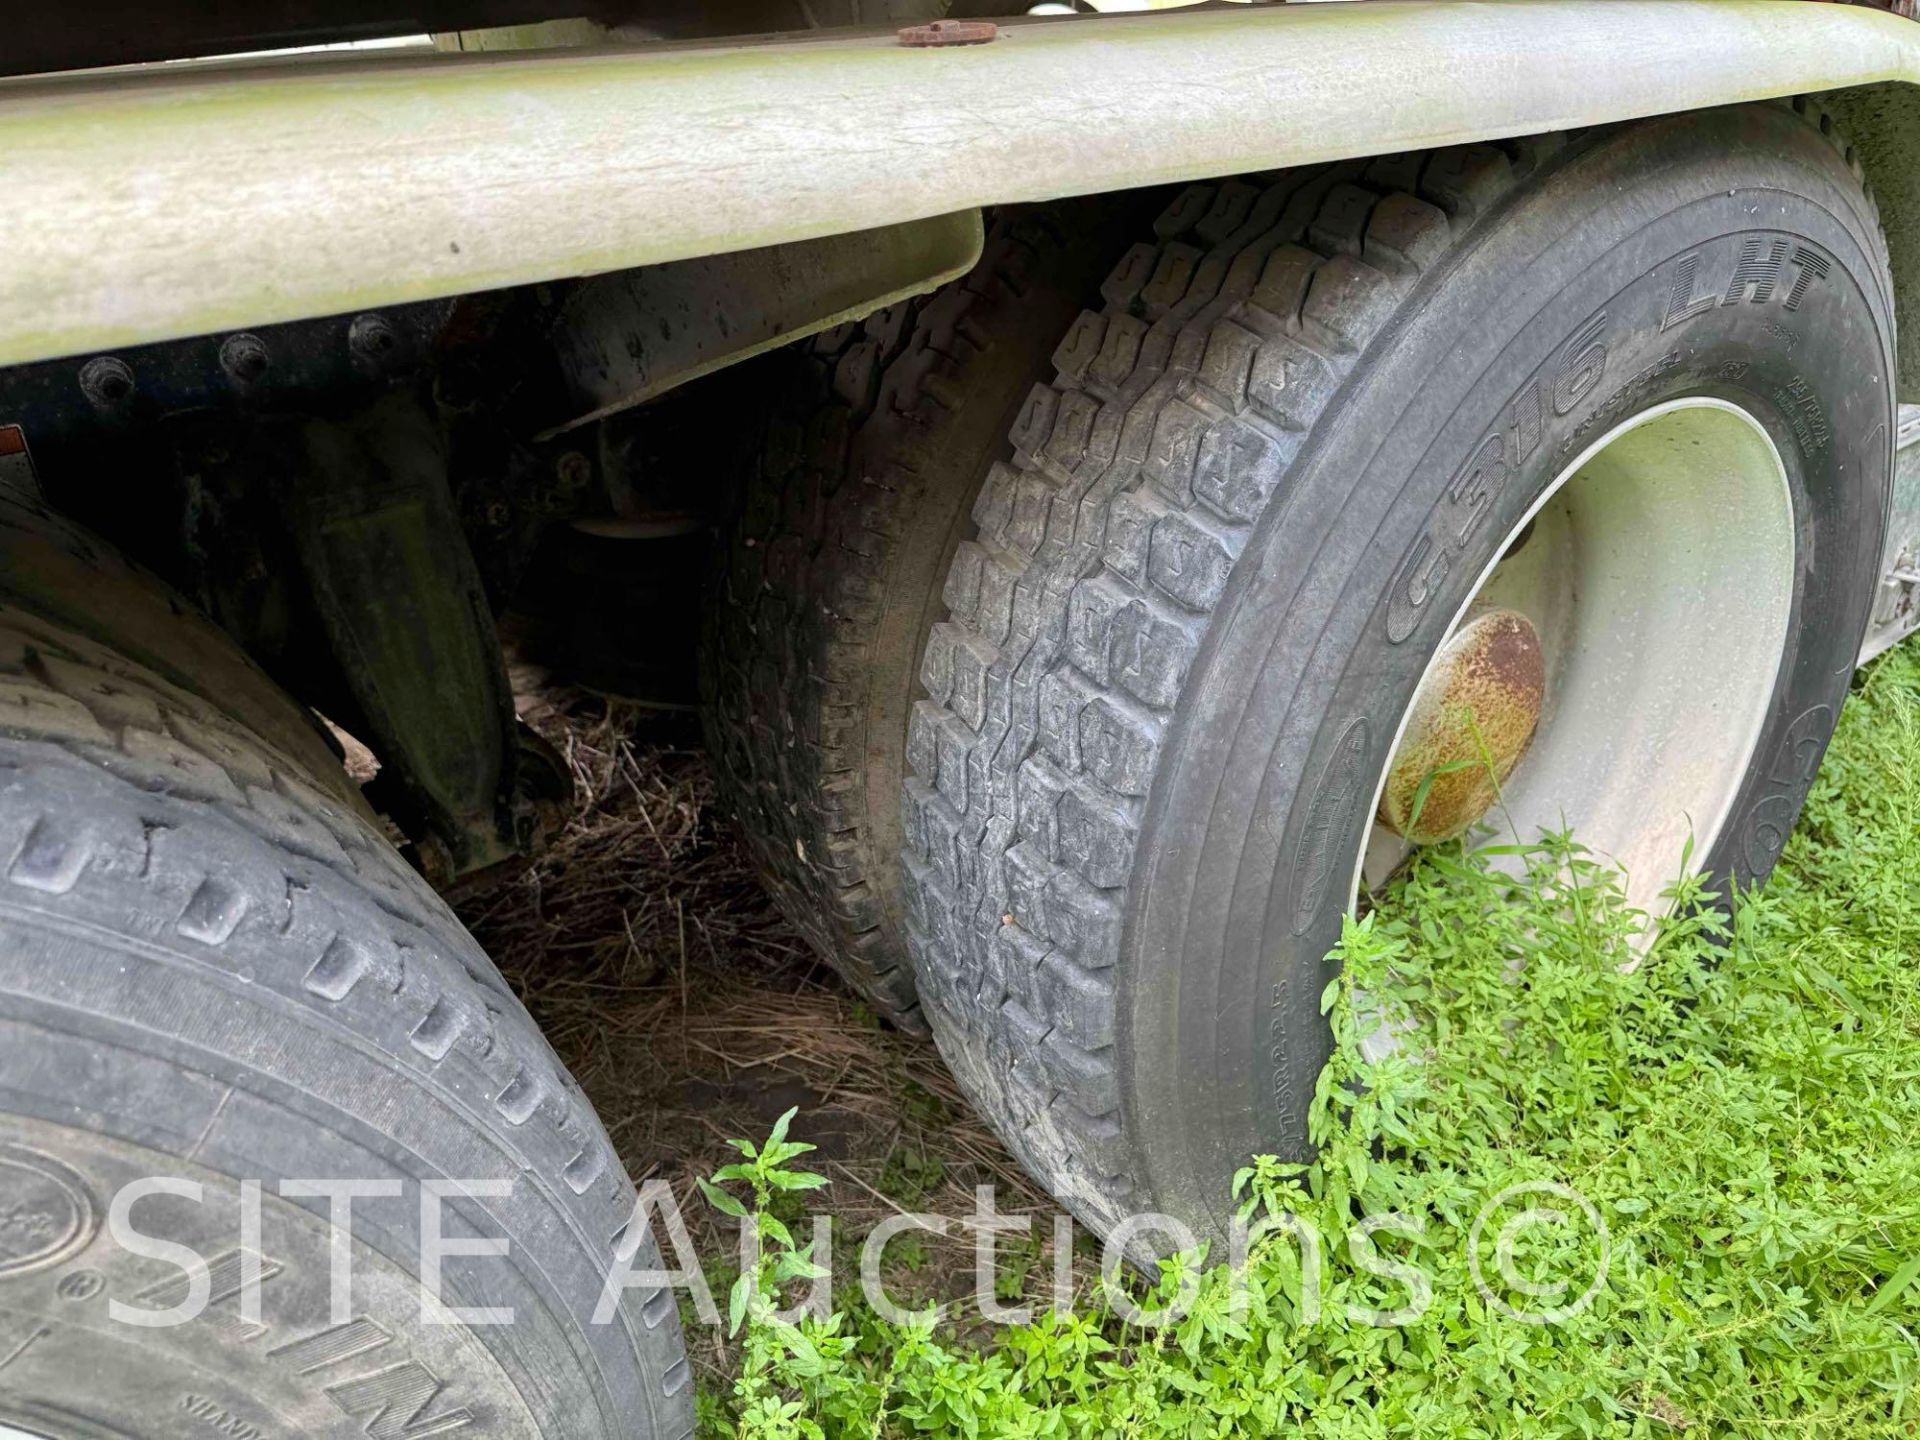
[1658, 573]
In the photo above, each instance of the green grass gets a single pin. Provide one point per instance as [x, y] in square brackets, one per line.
[1742, 1110]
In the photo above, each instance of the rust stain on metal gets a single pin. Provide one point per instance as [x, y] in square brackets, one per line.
[949, 32]
[1490, 677]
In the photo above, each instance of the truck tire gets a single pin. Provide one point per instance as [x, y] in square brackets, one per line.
[216, 973]
[1268, 478]
[828, 575]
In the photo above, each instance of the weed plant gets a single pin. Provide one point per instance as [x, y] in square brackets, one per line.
[1738, 1104]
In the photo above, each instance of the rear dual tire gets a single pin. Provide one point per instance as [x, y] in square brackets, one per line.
[1214, 559]
[876, 438]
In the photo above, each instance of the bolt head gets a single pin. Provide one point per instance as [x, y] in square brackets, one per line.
[244, 358]
[372, 338]
[107, 382]
[573, 470]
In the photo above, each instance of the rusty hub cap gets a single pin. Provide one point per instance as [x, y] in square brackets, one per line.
[1471, 721]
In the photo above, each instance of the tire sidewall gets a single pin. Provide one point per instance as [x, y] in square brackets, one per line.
[1269, 779]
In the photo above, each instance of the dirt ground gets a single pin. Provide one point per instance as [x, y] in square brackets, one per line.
[692, 1014]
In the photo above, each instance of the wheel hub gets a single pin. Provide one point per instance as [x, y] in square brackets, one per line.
[1610, 673]
[1471, 721]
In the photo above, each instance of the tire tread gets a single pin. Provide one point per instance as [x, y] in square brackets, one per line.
[1100, 551]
